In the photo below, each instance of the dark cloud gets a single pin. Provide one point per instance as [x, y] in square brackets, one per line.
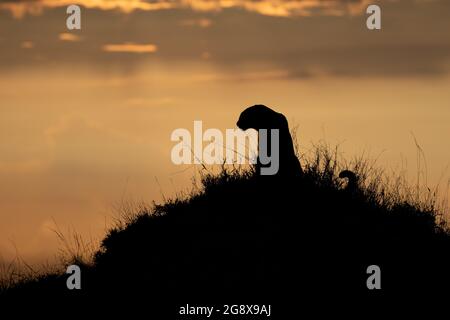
[413, 40]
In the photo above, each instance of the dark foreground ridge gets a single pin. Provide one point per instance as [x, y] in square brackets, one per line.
[259, 240]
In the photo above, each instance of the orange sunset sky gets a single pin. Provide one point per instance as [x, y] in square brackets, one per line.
[86, 115]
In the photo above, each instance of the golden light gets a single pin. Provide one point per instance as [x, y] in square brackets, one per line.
[130, 47]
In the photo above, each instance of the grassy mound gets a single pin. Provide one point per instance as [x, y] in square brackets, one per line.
[243, 235]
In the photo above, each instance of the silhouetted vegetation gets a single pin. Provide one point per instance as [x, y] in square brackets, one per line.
[243, 235]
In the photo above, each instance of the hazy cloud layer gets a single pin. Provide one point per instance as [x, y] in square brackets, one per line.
[413, 41]
[284, 8]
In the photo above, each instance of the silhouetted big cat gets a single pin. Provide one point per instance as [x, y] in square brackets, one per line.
[261, 117]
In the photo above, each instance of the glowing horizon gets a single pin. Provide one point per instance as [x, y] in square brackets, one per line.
[279, 8]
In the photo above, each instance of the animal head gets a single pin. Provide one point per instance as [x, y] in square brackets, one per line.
[352, 179]
[261, 117]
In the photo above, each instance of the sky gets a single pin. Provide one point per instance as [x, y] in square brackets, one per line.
[86, 115]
